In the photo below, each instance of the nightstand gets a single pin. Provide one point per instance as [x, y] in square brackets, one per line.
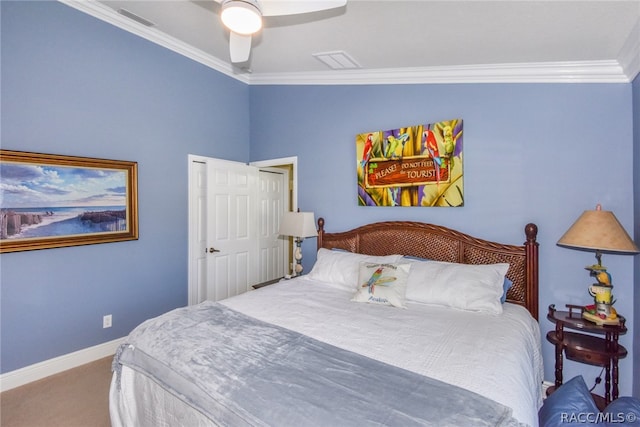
[586, 347]
[267, 283]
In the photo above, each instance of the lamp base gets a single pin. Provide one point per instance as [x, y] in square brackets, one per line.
[599, 320]
[297, 255]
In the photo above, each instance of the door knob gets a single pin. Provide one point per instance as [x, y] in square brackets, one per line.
[212, 250]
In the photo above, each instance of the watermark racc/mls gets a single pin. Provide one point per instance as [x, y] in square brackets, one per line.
[598, 417]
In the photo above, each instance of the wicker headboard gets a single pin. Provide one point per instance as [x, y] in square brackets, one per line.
[443, 244]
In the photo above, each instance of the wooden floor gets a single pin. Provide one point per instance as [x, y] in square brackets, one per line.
[78, 397]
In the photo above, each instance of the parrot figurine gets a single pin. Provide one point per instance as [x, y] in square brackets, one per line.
[604, 278]
[431, 146]
[600, 273]
[366, 152]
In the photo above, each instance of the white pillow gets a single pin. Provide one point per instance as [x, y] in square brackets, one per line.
[462, 286]
[382, 283]
[341, 268]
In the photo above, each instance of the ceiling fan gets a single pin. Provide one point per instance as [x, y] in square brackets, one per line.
[244, 18]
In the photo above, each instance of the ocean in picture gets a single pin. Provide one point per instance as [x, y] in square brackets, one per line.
[21, 223]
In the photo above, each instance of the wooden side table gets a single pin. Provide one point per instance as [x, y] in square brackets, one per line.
[586, 348]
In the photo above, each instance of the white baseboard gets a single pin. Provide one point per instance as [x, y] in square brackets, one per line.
[49, 367]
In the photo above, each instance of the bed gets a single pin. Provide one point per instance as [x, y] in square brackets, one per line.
[398, 323]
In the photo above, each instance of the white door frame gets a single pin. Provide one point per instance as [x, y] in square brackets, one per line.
[285, 161]
[293, 161]
[192, 279]
[192, 217]
[272, 201]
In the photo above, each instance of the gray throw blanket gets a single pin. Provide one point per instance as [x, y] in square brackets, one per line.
[240, 371]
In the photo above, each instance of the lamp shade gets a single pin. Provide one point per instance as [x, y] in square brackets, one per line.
[600, 231]
[298, 224]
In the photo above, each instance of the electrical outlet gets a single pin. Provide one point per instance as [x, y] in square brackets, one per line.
[106, 321]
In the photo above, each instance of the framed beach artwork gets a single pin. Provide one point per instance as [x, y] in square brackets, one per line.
[51, 201]
[413, 166]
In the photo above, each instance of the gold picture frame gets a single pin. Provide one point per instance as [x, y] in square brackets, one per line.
[53, 201]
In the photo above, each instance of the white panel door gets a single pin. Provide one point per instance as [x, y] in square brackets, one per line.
[198, 249]
[232, 264]
[234, 216]
[272, 197]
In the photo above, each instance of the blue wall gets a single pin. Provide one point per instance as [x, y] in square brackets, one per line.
[73, 85]
[539, 153]
[636, 193]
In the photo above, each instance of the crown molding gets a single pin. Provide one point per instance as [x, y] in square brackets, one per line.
[105, 13]
[629, 55]
[608, 71]
[550, 72]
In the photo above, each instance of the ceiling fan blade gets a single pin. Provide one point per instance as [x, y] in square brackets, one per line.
[294, 7]
[239, 47]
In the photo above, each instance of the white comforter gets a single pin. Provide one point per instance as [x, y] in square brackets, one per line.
[497, 356]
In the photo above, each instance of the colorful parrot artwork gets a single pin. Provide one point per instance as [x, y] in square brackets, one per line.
[418, 165]
[431, 146]
[447, 134]
[375, 279]
[366, 153]
[394, 195]
[394, 143]
[450, 145]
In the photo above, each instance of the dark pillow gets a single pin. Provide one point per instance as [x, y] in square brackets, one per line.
[571, 404]
[624, 411]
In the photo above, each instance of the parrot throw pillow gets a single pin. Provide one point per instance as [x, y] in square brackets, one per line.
[382, 283]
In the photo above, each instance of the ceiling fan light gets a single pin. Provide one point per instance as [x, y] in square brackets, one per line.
[241, 17]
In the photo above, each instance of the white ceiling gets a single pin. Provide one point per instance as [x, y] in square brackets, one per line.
[406, 41]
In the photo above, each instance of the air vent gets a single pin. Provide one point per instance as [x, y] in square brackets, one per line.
[337, 60]
[137, 18]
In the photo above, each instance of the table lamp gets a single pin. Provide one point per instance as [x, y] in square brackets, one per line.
[599, 231]
[298, 225]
